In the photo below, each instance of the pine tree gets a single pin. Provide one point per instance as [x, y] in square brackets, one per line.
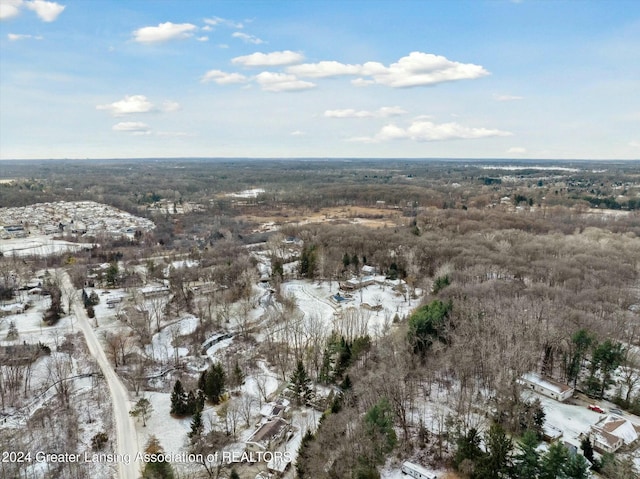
[196, 425]
[156, 469]
[527, 462]
[553, 462]
[497, 462]
[587, 449]
[576, 467]
[300, 384]
[142, 409]
[178, 400]
[214, 383]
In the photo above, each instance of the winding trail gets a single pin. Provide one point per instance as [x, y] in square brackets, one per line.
[127, 440]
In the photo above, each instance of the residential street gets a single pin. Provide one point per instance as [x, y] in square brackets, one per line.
[125, 428]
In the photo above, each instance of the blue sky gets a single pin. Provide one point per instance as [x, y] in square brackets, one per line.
[455, 78]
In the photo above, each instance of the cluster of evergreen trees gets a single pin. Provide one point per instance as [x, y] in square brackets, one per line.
[183, 403]
[339, 355]
[211, 386]
[501, 459]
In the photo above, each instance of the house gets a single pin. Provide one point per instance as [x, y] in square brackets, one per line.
[277, 408]
[414, 470]
[613, 432]
[357, 283]
[370, 270]
[278, 465]
[268, 436]
[548, 387]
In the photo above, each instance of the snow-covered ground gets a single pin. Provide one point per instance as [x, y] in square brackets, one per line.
[162, 346]
[314, 300]
[39, 245]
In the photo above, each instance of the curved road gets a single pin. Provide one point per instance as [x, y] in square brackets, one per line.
[127, 441]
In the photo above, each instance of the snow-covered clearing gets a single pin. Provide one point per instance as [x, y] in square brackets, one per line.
[375, 304]
[162, 346]
[39, 245]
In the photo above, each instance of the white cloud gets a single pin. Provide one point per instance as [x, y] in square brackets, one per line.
[223, 78]
[128, 105]
[215, 21]
[169, 106]
[416, 69]
[135, 127]
[507, 97]
[325, 69]
[634, 144]
[258, 59]
[47, 11]
[384, 112]
[247, 38]
[163, 32]
[9, 9]
[517, 150]
[13, 37]
[423, 130]
[298, 133]
[203, 38]
[282, 82]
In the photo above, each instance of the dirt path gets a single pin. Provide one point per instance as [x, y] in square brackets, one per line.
[127, 441]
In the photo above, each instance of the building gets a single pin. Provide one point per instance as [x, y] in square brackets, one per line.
[548, 387]
[612, 432]
[414, 470]
[268, 436]
[277, 408]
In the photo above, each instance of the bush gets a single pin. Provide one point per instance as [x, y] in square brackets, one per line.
[98, 441]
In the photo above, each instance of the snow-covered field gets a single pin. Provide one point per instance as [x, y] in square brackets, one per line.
[39, 245]
[314, 300]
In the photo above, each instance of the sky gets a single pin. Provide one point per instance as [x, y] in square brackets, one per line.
[522, 79]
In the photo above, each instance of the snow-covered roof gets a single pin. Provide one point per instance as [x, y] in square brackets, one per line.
[546, 383]
[619, 427]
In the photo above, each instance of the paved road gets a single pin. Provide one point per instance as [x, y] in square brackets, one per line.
[127, 442]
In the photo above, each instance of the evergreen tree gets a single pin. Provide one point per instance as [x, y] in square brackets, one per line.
[237, 377]
[196, 425]
[346, 384]
[156, 469]
[300, 385]
[587, 449]
[468, 448]
[527, 462]
[325, 370]
[234, 474]
[191, 403]
[355, 262]
[142, 409]
[577, 467]
[214, 383]
[178, 400]
[497, 462]
[553, 462]
[379, 426]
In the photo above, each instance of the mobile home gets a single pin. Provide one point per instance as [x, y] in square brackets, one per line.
[414, 470]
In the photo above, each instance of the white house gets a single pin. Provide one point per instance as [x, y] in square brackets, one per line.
[414, 470]
[612, 432]
[548, 387]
